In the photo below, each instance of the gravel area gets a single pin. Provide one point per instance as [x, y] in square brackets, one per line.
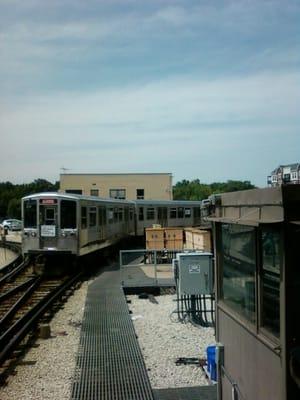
[51, 376]
[163, 340]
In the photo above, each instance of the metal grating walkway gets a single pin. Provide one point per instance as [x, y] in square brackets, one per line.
[110, 365]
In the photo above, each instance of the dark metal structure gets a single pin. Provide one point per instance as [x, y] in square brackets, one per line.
[257, 241]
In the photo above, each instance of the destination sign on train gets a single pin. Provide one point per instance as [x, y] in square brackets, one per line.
[48, 201]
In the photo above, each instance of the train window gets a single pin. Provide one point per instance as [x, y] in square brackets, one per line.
[115, 215]
[117, 194]
[94, 192]
[270, 280]
[92, 216]
[83, 218]
[110, 215]
[180, 212]
[197, 212]
[30, 217]
[68, 214]
[150, 213]
[141, 213]
[173, 212]
[120, 214]
[140, 194]
[187, 213]
[100, 216]
[239, 266]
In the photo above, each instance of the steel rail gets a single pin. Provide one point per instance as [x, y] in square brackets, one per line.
[14, 272]
[13, 336]
[15, 290]
[13, 310]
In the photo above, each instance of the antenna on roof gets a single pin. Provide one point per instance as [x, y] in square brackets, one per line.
[63, 169]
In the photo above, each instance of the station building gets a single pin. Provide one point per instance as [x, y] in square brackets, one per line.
[131, 186]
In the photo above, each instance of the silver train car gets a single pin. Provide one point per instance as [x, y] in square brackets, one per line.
[57, 223]
[73, 224]
[166, 213]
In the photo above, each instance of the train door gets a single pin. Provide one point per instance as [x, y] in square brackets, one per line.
[48, 223]
[162, 216]
[102, 223]
[126, 219]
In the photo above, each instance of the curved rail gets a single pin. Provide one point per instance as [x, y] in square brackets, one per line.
[13, 336]
[14, 272]
[16, 248]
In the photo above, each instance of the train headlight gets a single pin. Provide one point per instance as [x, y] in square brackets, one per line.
[63, 234]
[33, 234]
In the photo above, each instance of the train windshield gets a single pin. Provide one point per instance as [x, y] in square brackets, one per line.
[68, 214]
[30, 214]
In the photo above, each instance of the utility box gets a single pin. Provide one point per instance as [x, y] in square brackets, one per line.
[195, 273]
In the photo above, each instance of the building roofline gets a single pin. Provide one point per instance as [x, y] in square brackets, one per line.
[123, 173]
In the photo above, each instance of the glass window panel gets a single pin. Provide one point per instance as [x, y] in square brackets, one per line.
[30, 216]
[67, 214]
[150, 213]
[187, 212]
[83, 217]
[180, 212]
[140, 194]
[141, 213]
[92, 216]
[173, 212]
[239, 265]
[270, 280]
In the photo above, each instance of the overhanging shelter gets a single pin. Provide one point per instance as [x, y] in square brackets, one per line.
[257, 241]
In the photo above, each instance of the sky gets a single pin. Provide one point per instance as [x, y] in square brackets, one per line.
[203, 89]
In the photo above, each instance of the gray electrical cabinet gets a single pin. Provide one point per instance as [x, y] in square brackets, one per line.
[195, 273]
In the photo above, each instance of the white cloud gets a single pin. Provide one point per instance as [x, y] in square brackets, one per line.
[142, 126]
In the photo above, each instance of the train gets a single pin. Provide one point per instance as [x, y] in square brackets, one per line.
[76, 225]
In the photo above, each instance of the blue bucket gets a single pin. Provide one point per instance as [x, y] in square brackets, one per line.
[211, 363]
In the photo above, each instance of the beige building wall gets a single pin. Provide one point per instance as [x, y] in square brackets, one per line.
[156, 186]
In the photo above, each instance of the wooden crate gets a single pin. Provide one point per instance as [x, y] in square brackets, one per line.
[189, 241]
[202, 240]
[155, 238]
[174, 238]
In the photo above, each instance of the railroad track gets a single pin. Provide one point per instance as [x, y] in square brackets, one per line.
[24, 298]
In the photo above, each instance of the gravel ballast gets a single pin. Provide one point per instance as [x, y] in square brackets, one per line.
[163, 340]
[51, 375]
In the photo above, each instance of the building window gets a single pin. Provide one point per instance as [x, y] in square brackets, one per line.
[294, 176]
[270, 280]
[238, 269]
[117, 194]
[173, 212]
[92, 216]
[94, 192]
[83, 218]
[140, 194]
[150, 213]
[274, 178]
[74, 191]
